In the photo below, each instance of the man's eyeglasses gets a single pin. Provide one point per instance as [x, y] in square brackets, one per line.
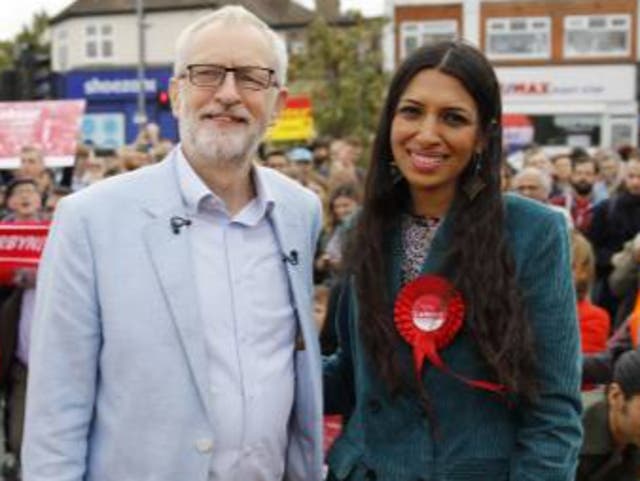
[246, 77]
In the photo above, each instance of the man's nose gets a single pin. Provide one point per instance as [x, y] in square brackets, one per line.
[227, 93]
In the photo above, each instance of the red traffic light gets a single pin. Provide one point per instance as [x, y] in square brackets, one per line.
[163, 99]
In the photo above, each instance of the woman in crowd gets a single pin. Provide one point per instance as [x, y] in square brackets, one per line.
[342, 203]
[459, 355]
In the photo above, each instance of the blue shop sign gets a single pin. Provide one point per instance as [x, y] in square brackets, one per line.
[120, 84]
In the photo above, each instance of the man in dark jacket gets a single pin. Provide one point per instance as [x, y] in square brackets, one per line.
[615, 221]
[612, 427]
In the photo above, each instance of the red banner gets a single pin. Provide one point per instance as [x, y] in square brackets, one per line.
[21, 245]
[51, 125]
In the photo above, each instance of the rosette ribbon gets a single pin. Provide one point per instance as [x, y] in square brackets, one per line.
[428, 313]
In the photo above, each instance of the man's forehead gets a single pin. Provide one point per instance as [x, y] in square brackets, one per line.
[530, 179]
[212, 44]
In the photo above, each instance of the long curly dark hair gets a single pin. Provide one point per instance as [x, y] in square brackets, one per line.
[485, 268]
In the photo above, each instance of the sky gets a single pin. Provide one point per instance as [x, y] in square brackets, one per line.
[12, 20]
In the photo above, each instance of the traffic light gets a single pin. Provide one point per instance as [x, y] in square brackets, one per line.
[8, 85]
[42, 76]
[33, 67]
[163, 100]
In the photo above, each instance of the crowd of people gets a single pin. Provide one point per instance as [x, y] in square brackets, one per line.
[438, 292]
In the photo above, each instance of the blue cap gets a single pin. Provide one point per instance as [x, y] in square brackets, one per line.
[300, 154]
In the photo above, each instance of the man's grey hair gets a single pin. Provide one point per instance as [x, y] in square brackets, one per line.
[543, 177]
[233, 15]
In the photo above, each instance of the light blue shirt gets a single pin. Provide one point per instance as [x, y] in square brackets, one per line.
[249, 329]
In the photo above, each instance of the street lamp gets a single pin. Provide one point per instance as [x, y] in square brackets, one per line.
[141, 114]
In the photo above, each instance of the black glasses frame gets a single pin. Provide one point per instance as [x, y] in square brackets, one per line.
[270, 82]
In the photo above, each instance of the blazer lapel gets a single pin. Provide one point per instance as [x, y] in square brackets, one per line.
[170, 255]
[293, 244]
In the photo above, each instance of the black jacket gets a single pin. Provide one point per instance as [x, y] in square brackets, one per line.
[599, 460]
[615, 221]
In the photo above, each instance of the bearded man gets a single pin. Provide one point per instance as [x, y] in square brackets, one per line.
[580, 200]
[173, 337]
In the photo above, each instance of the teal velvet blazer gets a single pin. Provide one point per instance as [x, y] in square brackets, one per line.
[470, 434]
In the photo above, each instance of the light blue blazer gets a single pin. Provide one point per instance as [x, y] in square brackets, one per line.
[118, 371]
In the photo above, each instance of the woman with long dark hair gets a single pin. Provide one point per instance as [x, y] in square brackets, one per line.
[459, 349]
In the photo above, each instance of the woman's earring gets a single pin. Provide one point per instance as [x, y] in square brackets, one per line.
[396, 175]
[474, 184]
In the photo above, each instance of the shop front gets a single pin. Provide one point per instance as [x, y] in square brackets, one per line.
[576, 106]
[111, 115]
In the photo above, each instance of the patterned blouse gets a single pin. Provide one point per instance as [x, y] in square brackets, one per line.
[417, 235]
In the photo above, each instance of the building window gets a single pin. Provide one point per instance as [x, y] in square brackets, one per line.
[417, 34]
[99, 42]
[518, 38]
[597, 36]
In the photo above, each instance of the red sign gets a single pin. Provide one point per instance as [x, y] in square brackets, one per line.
[51, 125]
[21, 245]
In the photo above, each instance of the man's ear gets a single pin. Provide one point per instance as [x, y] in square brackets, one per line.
[615, 396]
[280, 102]
[175, 96]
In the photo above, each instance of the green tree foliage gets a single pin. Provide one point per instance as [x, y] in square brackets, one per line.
[6, 55]
[32, 36]
[342, 69]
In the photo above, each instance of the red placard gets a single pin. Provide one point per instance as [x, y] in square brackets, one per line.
[21, 245]
[51, 125]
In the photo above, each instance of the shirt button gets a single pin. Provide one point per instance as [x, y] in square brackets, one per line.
[204, 445]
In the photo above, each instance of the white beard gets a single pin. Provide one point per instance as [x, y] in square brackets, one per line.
[227, 147]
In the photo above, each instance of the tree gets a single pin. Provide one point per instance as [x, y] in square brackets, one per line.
[26, 57]
[342, 69]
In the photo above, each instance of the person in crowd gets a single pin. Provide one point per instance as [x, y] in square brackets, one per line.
[615, 221]
[301, 160]
[321, 158]
[612, 427]
[535, 156]
[148, 136]
[627, 151]
[580, 201]
[561, 170]
[160, 150]
[72, 175]
[45, 182]
[174, 336]
[536, 184]
[135, 157]
[16, 313]
[595, 322]
[623, 282]
[277, 159]
[31, 163]
[320, 300]
[57, 193]
[506, 175]
[113, 163]
[342, 203]
[446, 272]
[23, 201]
[611, 176]
[533, 183]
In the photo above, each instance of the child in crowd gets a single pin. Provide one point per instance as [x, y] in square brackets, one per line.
[595, 322]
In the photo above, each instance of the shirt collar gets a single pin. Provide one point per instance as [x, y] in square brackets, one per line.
[194, 191]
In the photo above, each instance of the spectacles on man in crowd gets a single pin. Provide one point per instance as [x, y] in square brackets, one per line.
[246, 77]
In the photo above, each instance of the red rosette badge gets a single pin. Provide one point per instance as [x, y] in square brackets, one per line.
[428, 314]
